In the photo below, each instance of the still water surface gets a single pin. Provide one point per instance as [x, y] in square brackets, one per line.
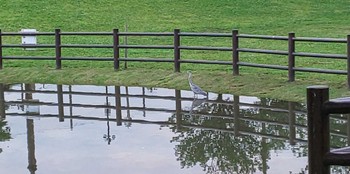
[60, 129]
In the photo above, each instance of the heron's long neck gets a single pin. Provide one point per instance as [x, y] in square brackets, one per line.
[190, 79]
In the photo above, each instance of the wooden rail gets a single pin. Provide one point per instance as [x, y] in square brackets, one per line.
[319, 107]
[177, 47]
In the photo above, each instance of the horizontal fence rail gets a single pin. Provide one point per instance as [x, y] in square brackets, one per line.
[291, 52]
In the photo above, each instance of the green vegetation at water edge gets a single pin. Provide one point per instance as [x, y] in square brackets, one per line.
[263, 85]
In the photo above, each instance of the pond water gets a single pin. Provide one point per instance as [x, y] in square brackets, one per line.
[47, 128]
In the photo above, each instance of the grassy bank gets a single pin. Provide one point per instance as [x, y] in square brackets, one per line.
[305, 18]
[263, 85]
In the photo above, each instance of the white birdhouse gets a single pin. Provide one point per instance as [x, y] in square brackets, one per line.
[28, 40]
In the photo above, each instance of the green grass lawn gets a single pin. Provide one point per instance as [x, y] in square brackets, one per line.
[306, 18]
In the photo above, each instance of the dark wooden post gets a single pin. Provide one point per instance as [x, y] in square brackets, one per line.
[235, 54]
[348, 57]
[264, 153]
[177, 50]
[178, 109]
[118, 105]
[144, 101]
[60, 103]
[29, 91]
[32, 166]
[58, 48]
[116, 48]
[291, 57]
[127, 103]
[236, 114]
[2, 102]
[70, 107]
[0, 50]
[291, 114]
[318, 128]
[348, 127]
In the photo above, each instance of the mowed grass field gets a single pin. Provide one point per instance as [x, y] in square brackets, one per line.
[323, 19]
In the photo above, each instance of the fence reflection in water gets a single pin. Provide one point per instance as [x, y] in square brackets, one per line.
[245, 123]
[225, 109]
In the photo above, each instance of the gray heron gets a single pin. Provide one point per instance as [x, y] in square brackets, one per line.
[195, 88]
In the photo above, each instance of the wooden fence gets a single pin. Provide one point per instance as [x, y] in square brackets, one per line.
[177, 47]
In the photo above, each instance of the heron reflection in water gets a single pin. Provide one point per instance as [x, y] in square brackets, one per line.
[195, 88]
[196, 103]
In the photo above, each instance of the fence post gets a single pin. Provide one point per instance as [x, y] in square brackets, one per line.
[116, 48]
[235, 54]
[70, 107]
[118, 105]
[60, 103]
[32, 165]
[177, 50]
[2, 102]
[0, 49]
[178, 109]
[58, 48]
[236, 114]
[318, 128]
[348, 57]
[348, 127]
[291, 115]
[291, 57]
[143, 102]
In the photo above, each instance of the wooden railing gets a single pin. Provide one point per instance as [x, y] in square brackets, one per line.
[319, 108]
[177, 47]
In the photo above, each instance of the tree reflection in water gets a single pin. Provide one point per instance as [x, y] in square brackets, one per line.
[217, 151]
[4, 129]
[222, 150]
[240, 139]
